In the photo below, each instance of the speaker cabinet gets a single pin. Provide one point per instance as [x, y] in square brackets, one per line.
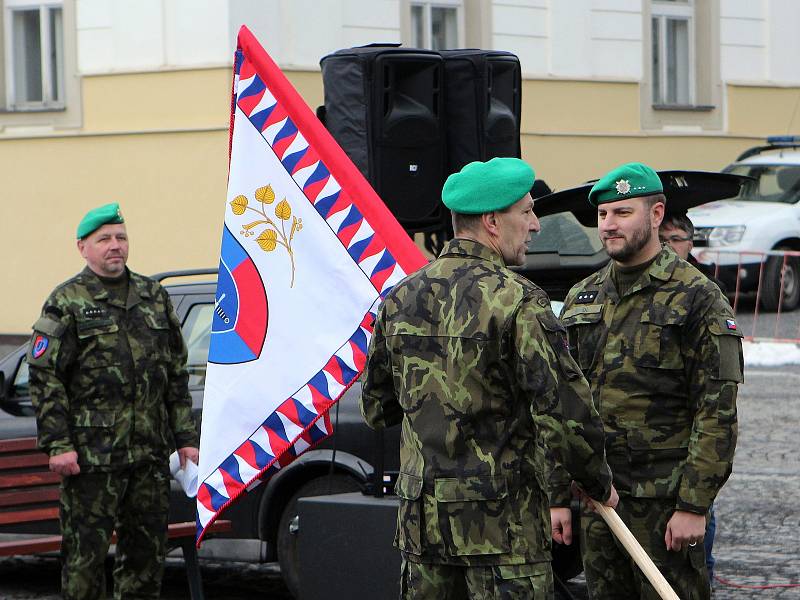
[384, 106]
[483, 102]
[344, 547]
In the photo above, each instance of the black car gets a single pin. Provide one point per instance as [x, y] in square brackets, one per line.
[568, 248]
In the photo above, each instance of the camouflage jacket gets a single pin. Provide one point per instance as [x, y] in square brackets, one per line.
[663, 363]
[470, 358]
[108, 379]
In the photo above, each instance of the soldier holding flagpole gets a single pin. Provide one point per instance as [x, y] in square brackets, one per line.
[469, 357]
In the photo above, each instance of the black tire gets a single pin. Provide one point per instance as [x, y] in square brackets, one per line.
[771, 284]
[287, 533]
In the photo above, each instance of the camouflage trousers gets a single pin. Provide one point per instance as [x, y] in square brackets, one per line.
[612, 574]
[422, 581]
[134, 502]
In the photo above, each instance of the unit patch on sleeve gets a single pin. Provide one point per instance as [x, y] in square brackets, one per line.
[39, 346]
[730, 324]
[586, 297]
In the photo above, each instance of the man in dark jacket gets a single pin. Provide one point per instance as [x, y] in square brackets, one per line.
[677, 231]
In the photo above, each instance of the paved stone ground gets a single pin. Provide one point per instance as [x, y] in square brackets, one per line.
[757, 511]
[758, 516]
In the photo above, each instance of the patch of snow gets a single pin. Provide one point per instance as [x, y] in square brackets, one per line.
[770, 354]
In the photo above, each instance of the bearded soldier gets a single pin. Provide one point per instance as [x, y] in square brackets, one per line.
[661, 350]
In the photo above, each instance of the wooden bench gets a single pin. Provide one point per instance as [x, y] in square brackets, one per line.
[29, 494]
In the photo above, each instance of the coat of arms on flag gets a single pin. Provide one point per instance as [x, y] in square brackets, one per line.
[308, 251]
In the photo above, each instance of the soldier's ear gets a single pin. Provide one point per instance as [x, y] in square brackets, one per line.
[490, 223]
[657, 214]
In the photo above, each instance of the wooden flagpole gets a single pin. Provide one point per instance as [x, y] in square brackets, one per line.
[634, 548]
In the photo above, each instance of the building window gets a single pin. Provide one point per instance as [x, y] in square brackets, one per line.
[34, 53]
[435, 25]
[673, 52]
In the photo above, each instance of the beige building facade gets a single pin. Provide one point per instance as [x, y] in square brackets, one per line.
[116, 100]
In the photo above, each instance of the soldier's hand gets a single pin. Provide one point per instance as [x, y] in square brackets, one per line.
[190, 453]
[613, 499]
[561, 525]
[65, 464]
[588, 502]
[684, 529]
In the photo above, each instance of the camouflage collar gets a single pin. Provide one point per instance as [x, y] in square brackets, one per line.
[136, 286]
[661, 269]
[139, 284]
[471, 248]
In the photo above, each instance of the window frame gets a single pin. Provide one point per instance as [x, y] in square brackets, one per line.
[48, 103]
[662, 12]
[427, 29]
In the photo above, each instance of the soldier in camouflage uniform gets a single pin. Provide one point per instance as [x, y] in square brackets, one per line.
[469, 357]
[659, 345]
[109, 383]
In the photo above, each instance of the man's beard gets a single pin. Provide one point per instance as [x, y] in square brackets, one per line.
[639, 239]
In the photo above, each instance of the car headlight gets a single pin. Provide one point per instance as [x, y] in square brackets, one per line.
[725, 236]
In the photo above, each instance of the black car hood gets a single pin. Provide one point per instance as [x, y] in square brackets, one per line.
[683, 189]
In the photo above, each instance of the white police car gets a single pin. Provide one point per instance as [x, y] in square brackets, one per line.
[738, 233]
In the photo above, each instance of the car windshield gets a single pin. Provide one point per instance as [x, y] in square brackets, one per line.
[772, 183]
[562, 234]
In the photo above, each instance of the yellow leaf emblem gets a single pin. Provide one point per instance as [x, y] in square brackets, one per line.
[265, 194]
[283, 211]
[238, 205]
[267, 240]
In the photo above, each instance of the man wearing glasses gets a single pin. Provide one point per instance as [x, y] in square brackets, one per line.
[677, 231]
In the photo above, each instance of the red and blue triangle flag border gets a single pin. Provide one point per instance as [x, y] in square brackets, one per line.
[374, 240]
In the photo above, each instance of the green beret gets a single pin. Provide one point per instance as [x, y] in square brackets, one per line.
[482, 187]
[97, 217]
[627, 181]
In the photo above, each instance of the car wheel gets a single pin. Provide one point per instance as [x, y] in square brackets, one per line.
[288, 526]
[770, 294]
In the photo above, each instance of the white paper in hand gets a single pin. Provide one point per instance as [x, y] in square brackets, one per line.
[187, 476]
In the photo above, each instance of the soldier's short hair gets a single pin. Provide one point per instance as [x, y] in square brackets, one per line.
[464, 222]
[679, 222]
[652, 200]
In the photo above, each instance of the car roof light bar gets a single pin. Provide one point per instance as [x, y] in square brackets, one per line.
[774, 142]
[783, 139]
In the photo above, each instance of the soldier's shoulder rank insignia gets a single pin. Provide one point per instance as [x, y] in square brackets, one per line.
[586, 297]
[94, 312]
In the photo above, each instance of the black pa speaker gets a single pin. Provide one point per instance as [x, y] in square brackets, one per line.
[344, 547]
[384, 106]
[483, 103]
